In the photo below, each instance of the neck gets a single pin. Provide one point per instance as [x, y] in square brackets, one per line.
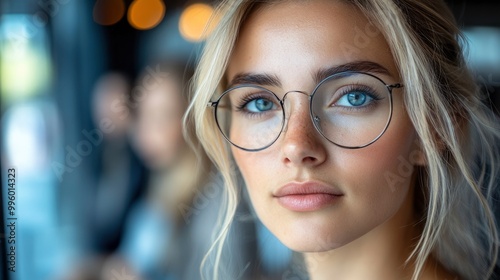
[380, 254]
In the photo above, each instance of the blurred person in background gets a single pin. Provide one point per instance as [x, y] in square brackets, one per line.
[119, 171]
[158, 103]
[120, 175]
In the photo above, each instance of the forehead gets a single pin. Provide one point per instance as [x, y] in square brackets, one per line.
[293, 39]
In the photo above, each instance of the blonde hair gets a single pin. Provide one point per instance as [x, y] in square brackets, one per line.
[457, 132]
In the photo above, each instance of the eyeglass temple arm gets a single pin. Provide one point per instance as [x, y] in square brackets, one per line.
[395, 86]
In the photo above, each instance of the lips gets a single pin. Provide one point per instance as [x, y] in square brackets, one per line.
[307, 196]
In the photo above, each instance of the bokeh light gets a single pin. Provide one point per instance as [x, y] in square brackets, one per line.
[108, 12]
[146, 14]
[25, 68]
[195, 23]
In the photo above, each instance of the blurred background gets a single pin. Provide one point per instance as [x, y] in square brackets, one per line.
[96, 142]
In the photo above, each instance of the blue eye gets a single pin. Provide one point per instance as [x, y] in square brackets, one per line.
[258, 105]
[355, 99]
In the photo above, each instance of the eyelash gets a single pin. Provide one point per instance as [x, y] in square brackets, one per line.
[240, 107]
[249, 98]
[358, 87]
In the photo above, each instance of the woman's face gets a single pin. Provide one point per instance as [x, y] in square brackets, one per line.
[355, 190]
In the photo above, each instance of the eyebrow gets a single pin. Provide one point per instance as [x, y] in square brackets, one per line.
[255, 79]
[358, 66]
[273, 80]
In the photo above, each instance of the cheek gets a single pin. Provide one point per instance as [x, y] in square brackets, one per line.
[379, 176]
[253, 167]
[260, 171]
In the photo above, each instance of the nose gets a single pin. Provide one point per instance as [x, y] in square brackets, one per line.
[301, 144]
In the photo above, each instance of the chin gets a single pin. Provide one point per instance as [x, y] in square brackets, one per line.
[314, 243]
[307, 237]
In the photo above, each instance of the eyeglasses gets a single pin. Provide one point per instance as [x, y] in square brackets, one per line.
[350, 109]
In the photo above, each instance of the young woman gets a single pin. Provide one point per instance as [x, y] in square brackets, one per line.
[360, 134]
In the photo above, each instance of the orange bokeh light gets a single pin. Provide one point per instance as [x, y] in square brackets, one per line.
[194, 20]
[146, 14]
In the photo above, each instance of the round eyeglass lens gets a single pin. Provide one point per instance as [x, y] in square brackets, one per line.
[250, 117]
[351, 109]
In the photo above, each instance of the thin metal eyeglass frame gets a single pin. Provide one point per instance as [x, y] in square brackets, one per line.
[214, 105]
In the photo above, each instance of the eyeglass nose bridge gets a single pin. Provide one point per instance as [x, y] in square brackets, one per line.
[299, 91]
[285, 111]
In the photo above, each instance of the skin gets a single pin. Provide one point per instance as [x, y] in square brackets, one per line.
[369, 231]
[111, 88]
[159, 125]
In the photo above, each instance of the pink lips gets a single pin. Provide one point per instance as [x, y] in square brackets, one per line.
[306, 196]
